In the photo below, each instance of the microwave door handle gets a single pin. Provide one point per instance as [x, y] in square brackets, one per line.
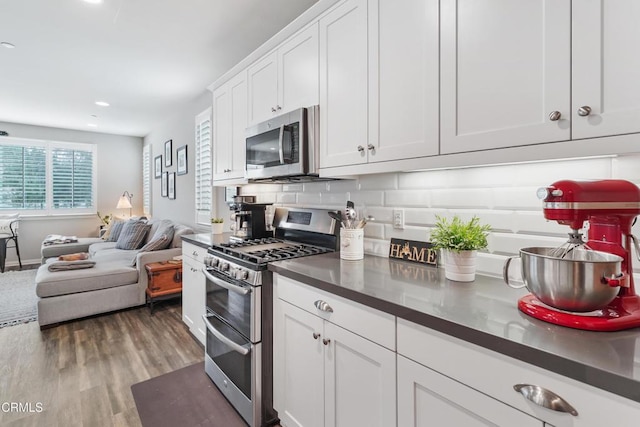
[230, 286]
[234, 346]
[281, 144]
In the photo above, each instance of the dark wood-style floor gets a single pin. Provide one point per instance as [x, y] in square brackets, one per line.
[81, 372]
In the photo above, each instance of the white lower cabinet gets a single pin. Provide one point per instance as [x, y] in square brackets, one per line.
[326, 375]
[491, 375]
[193, 290]
[427, 398]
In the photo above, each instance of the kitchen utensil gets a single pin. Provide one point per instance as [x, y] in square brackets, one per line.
[609, 207]
[575, 241]
[582, 281]
[338, 217]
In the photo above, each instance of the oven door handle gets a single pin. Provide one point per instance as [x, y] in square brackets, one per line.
[230, 286]
[234, 345]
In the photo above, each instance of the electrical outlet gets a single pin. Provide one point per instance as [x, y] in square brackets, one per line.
[398, 218]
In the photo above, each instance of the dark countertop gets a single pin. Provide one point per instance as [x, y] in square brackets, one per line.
[205, 240]
[483, 312]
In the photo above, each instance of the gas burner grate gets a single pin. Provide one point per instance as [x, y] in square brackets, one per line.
[260, 257]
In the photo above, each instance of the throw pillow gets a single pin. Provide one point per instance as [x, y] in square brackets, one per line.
[160, 240]
[115, 228]
[132, 235]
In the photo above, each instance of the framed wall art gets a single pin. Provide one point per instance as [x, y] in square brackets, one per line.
[172, 185]
[168, 158]
[157, 173]
[181, 160]
[165, 181]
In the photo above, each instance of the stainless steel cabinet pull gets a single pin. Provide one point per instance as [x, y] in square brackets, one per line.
[545, 398]
[360, 148]
[371, 147]
[273, 110]
[583, 111]
[194, 253]
[316, 336]
[322, 305]
[278, 107]
[325, 341]
[555, 116]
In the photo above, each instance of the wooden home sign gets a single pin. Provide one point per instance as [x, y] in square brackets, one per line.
[414, 251]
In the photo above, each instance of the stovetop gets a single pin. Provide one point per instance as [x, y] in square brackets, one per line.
[259, 252]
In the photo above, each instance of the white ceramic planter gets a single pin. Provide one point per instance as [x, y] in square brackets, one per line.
[217, 228]
[460, 266]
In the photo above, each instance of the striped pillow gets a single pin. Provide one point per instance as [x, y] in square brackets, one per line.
[161, 240]
[114, 230]
[132, 235]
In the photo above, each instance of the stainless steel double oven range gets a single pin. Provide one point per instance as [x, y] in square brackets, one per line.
[239, 300]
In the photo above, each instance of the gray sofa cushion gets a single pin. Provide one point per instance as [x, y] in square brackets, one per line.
[179, 231]
[103, 275]
[133, 235]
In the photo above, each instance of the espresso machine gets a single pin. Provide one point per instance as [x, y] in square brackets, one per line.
[249, 219]
[608, 208]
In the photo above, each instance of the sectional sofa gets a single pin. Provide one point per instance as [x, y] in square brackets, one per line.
[117, 280]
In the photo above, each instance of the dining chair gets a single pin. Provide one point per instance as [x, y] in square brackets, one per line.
[9, 232]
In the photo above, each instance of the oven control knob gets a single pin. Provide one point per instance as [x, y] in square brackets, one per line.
[212, 262]
[241, 274]
[224, 266]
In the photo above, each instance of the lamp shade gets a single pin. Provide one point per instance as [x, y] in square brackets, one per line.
[124, 203]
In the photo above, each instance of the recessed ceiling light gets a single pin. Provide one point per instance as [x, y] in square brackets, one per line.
[102, 103]
[7, 45]
[92, 125]
[94, 116]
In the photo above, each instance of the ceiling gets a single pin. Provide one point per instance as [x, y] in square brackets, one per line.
[145, 58]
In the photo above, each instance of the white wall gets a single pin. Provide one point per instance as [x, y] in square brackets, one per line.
[181, 130]
[119, 161]
[502, 196]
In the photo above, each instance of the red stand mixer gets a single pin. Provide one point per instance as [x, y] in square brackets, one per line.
[610, 208]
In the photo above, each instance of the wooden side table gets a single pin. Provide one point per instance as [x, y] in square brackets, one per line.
[165, 281]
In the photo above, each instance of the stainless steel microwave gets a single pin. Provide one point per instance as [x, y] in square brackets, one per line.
[284, 148]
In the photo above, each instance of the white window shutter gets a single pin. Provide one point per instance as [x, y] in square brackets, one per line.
[203, 167]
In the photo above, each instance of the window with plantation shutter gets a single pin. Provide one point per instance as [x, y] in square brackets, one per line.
[22, 177]
[47, 177]
[203, 169]
[146, 180]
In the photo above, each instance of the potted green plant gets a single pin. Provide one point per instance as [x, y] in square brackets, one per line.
[217, 225]
[459, 242]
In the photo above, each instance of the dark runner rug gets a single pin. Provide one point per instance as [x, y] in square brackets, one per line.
[18, 300]
[185, 398]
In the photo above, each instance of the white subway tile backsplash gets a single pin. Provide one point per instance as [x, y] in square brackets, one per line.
[309, 199]
[286, 198]
[400, 198]
[378, 182]
[510, 244]
[409, 233]
[291, 188]
[627, 167]
[528, 222]
[461, 198]
[519, 198]
[367, 198]
[502, 196]
[342, 185]
[374, 231]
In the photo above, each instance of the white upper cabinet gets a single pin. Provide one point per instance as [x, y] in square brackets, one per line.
[505, 68]
[343, 85]
[285, 79]
[403, 76]
[229, 124]
[605, 75]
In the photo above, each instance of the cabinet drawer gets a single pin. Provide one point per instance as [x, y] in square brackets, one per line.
[194, 251]
[495, 375]
[367, 322]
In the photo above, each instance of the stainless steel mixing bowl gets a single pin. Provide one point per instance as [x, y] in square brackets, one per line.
[579, 282]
